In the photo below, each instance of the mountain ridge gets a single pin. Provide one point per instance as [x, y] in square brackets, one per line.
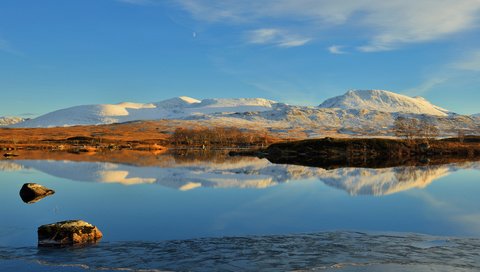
[357, 112]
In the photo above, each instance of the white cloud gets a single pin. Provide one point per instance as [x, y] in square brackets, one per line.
[294, 42]
[278, 37]
[262, 36]
[336, 49]
[385, 25]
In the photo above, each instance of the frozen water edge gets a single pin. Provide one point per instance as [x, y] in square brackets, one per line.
[326, 251]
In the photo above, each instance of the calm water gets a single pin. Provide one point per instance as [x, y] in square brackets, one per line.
[245, 214]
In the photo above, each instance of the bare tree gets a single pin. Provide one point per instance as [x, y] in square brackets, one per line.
[217, 136]
[411, 129]
[461, 135]
[428, 131]
[407, 128]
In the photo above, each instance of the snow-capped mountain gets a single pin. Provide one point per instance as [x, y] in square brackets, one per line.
[364, 112]
[8, 120]
[175, 108]
[385, 101]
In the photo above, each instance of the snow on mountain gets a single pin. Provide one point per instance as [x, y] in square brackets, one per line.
[175, 108]
[368, 112]
[385, 101]
[7, 120]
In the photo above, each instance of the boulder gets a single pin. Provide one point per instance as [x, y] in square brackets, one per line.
[32, 192]
[68, 233]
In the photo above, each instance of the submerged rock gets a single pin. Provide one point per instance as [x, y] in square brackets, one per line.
[32, 192]
[68, 233]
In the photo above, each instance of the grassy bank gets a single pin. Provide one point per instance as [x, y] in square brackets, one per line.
[141, 136]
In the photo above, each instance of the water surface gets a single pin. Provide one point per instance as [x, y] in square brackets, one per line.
[245, 214]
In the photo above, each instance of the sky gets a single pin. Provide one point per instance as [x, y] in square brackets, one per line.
[57, 53]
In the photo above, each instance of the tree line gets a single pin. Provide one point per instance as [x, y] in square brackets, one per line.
[412, 129]
[219, 136]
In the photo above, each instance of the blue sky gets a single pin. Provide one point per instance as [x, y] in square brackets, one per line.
[56, 53]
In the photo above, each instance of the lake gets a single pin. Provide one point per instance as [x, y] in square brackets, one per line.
[244, 214]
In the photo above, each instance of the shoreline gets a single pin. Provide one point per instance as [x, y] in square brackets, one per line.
[371, 152]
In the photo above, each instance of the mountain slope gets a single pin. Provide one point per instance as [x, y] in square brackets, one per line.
[175, 108]
[7, 120]
[385, 101]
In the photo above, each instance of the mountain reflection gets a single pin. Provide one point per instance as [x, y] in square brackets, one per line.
[241, 172]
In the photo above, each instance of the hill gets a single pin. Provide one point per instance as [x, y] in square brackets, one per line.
[356, 113]
[384, 101]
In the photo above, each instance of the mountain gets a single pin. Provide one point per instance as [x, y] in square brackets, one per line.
[175, 108]
[384, 101]
[7, 120]
[364, 112]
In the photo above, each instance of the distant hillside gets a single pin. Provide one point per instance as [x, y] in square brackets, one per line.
[363, 112]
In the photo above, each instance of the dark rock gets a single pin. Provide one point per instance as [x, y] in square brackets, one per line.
[32, 192]
[10, 155]
[424, 147]
[68, 233]
[424, 160]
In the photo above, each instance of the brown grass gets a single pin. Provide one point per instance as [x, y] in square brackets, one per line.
[140, 135]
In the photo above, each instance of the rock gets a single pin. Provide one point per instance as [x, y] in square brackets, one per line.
[424, 147]
[68, 233]
[10, 155]
[32, 192]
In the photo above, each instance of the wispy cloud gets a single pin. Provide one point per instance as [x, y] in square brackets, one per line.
[471, 62]
[28, 114]
[427, 85]
[448, 73]
[278, 37]
[336, 49]
[385, 25]
[5, 46]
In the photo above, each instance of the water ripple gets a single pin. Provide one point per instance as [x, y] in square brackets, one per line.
[327, 251]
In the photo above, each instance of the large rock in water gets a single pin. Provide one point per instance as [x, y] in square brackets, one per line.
[32, 192]
[68, 233]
